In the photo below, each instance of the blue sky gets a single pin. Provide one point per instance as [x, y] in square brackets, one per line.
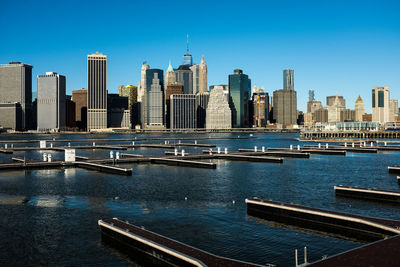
[334, 47]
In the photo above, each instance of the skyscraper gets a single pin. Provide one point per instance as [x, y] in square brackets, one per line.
[51, 108]
[288, 82]
[16, 87]
[330, 100]
[196, 71]
[201, 107]
[260, 108]
[285, 101]
[380, 104]
[183, 111]
[173, 89]
[218, 113]
[311, 95]
[184, 76]
[97, 91]
[80, 99]
[170, 77]
[187, 58]
[203, 76]
[153, 104]
[239, 90]
[142, 82]
[359, 109]
[394, 109]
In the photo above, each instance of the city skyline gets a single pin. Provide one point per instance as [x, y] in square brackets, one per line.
[334, 48]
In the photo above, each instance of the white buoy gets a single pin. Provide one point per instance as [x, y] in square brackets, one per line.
[183, 152]
[255, 148]
[263, 148]
[44, 157]
[226, 150]
[111, 155]
[176, 152]
[218, 150]
[49, 158]
[185, 198]
[233, 202]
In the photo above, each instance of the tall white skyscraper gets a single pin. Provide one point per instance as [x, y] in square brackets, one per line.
[97, 91]
[203, 76]
[380, 104]
[142, 82]
[359, 109]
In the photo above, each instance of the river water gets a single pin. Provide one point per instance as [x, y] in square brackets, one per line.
[49, 217]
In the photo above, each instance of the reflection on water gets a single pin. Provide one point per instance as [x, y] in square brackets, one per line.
[50, 216]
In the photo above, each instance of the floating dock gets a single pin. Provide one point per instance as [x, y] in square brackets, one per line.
[184, 163]
[350, 225]
[394, 169]
[284, 154]
[248, 158]
[312, 151]
[6, 151]
[380, 253]
[163, 250]
[347, 149]
[103, 168]
[365, 193]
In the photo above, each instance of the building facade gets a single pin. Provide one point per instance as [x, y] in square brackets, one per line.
[183, 111]
[218, 112]
[201, 108]
[170, 77]
[80, 99]
[239, 90]
[97, 91]
[154, 108]
[394, 109]
[359, 109]
[380, 104]
[331, 100]
[16, 87]
[184, 76]
[142, 82]
[260, 109]
[173, 89]
[288, 81]
[203, 76]
[51, 103]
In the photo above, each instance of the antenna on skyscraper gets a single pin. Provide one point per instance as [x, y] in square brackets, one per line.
[187, 43]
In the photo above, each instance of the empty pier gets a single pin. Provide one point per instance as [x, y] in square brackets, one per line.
[163, 250]
[248, 158]
[185, 163]
[365, 193]
[104, 168]
[394, 169]
[350, 225]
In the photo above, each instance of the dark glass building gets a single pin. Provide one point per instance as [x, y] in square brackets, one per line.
[239, 91]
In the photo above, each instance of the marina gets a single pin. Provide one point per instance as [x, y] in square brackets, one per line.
[366, 193]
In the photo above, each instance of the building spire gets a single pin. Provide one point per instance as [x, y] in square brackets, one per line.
[187, 43]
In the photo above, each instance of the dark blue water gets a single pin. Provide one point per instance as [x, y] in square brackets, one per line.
[58, 224]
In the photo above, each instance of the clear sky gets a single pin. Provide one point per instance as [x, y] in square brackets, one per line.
[334, 47]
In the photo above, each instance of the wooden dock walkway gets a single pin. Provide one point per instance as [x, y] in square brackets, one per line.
[366, 193]
[103, 168]
[347, 149]
[185, 163]
[350, 225]
[311, 151]
[162, 249]
[248, 158]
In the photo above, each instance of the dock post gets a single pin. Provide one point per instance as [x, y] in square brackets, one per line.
[372, 144]
[133, 143]
[345, 144]
[255, 148]
[385, 143]
[298, 147]
[226, 150]
[5, 146]
[326, 145]
[319, 145]
[219, 150]
[195, 142]
[352, 144]
[296, 258]
[12, 145]
[117, 155]
[94, 144]
[183, 152]
[44, 157]
[263, 148]
[111, 155]
[165, 142]
[365, 143]
[176, 152]
[51, 145]
[291, 147]
[305, 255]
[69, 144]
[49, 158]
